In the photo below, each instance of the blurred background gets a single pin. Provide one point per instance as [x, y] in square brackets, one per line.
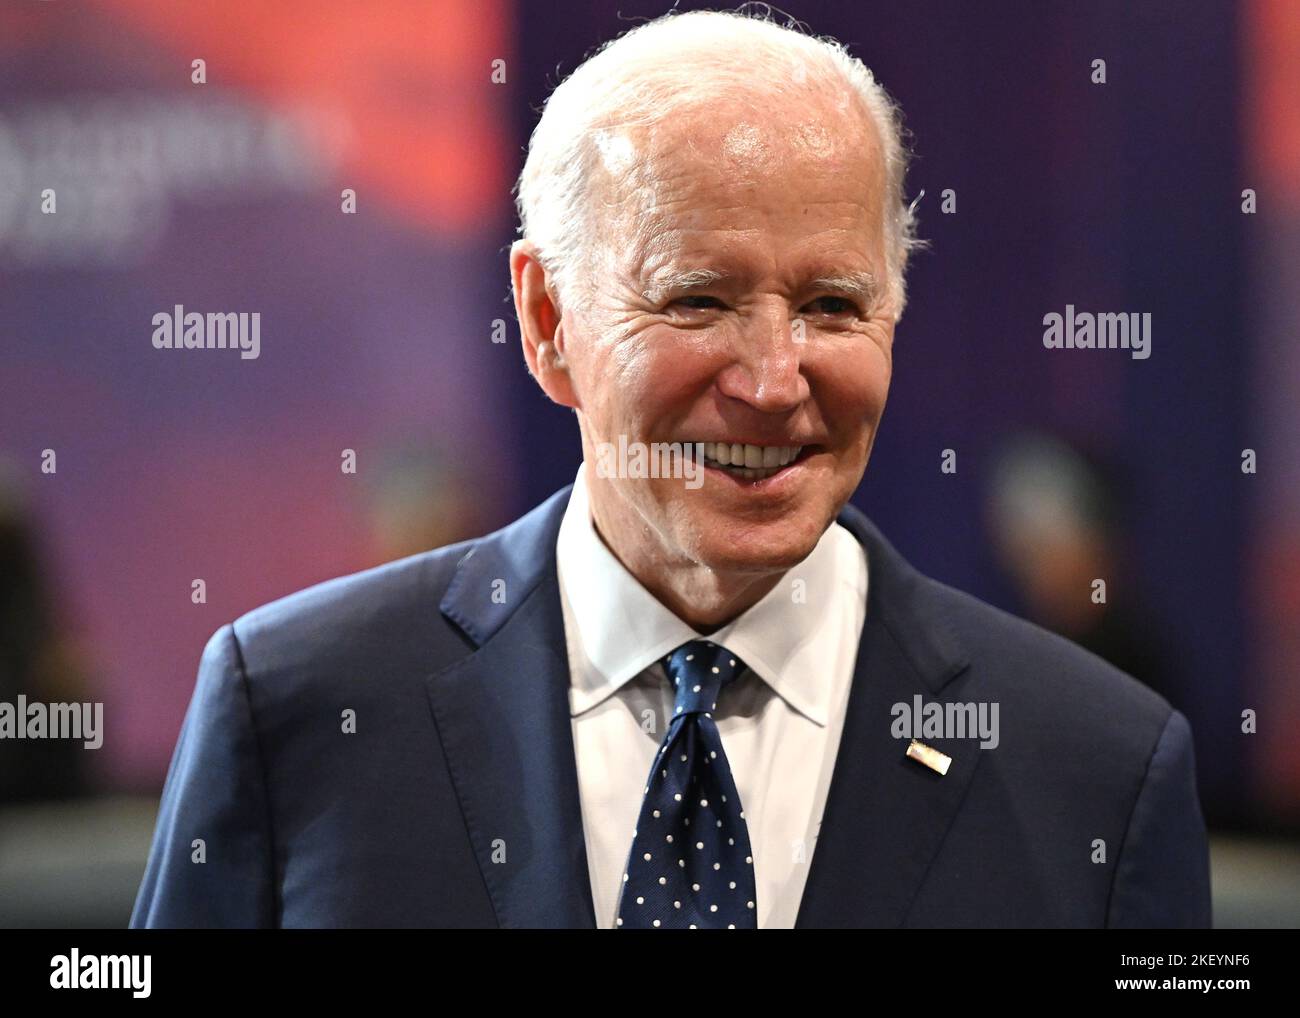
[382, 333]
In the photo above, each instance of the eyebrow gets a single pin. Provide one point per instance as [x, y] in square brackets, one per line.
[860, 285]
[668, 282]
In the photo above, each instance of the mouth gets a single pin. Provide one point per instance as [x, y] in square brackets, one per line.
[746, 462]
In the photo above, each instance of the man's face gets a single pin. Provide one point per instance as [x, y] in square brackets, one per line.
[783, 205]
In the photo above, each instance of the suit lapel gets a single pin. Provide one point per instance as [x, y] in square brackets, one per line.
[503, 719]
[886, 815]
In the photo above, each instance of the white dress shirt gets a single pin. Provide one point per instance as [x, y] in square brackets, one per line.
[780, 722]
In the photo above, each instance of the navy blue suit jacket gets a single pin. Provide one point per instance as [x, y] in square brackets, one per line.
[455, 801]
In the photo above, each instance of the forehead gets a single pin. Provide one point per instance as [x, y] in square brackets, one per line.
[785, 166]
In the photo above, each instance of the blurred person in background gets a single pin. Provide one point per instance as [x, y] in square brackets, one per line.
[36, 661]
[419, 498]
[1053, 519]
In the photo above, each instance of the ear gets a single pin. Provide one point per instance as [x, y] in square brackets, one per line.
[541, 324]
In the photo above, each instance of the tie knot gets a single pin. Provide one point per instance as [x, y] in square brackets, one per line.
[698, 671]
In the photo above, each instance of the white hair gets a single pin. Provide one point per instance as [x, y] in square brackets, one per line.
[660, 68]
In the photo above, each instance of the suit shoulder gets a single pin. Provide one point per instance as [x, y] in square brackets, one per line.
[382, 609]
[1058, 681]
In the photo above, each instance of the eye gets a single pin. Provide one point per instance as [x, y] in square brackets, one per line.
[697, 302]
[835, 305]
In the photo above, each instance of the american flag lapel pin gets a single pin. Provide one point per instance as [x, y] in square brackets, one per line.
[928, 756]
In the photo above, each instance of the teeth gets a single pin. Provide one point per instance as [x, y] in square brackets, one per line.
[752, 462]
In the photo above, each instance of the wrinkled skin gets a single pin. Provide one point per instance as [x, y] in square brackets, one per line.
[775, 195]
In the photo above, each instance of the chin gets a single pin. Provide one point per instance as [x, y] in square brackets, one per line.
[750, 548]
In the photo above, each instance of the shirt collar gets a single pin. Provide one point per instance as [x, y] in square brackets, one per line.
[616, 629]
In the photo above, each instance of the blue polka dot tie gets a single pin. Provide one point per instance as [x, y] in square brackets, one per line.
[691, 866]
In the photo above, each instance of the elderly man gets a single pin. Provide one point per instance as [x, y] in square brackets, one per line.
[707, 696]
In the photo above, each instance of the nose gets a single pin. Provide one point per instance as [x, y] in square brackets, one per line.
[765, 371]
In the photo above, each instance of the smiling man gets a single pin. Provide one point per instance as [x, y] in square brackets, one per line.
[656, 703]
[735, 310]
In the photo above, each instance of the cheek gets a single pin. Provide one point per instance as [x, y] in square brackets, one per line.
[854, 387]
[611, 370]
[655, 370]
